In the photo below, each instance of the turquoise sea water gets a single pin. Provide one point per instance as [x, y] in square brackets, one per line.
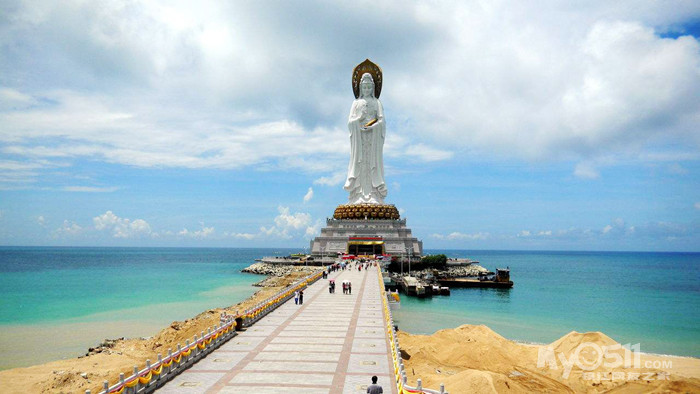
[648, 298]
[56, 302]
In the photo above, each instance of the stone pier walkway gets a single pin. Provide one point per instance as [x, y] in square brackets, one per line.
[333, 343]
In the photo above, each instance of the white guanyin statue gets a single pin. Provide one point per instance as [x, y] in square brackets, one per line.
[365, 181]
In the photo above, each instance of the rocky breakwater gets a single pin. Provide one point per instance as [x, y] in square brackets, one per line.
[275, 272]
[452, 272]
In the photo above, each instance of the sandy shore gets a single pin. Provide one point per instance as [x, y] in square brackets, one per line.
[64, 376]
[475, 359]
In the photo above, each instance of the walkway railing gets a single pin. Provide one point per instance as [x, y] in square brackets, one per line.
[148, 379]
[399, 370]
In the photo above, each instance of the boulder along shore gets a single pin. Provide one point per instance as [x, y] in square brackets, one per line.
[114, 356]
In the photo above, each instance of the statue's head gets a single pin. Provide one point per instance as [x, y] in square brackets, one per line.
[366, 85]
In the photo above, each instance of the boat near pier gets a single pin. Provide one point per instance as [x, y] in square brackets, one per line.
[414, 287]
[499, 280]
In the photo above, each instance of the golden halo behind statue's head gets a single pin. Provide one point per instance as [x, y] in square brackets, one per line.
[367, 67]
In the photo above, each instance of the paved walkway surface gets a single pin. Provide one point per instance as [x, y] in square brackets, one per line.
[333, 343]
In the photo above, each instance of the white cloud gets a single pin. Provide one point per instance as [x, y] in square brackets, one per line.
[461, 236]
[616, 228]
[309, 195]
[285, 220]
[427, 154]
[313, 231]
[247, 236]
[204, 232]
[40, 220]
[121, 227]
[13, 99]
[697, 205]
[68, 228]
[553, 82]
[289, 225]
[616, 235]
[90, 189]
[335, 179]
[586, 171]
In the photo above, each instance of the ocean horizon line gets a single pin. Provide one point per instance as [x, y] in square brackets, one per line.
[303, 249]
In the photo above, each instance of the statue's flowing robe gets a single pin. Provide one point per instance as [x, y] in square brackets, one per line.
[366, 182]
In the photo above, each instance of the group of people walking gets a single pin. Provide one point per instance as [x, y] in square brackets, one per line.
[374, 388]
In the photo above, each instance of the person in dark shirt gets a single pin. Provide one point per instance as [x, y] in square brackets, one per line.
[374, 388]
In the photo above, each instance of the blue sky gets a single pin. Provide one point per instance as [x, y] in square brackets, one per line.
[509, 125]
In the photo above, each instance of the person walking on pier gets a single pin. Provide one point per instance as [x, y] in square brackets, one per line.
[296, 297]
[374, 388]
[301, 297]
[349, 288]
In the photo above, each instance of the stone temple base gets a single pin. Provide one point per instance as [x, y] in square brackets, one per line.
[389, 235]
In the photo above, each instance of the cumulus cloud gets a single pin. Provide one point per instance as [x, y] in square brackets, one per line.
[296, 221]
[333, 180]
[121, 227]
[68, 228]
[202, 233]
[309, 195]
[288, 225]
[40, 220]
[617, 227]
[615, 86]
[246, 236]
[461, 236]
[547, 83]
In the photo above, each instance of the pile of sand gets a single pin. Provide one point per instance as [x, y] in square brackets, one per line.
[476, 359]
[120, 356]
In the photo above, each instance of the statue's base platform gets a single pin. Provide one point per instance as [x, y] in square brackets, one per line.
[366, 237]
[366, 211]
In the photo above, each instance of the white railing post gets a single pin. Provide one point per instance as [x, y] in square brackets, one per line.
[136, 373]
[148, 368]
[160, 364]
